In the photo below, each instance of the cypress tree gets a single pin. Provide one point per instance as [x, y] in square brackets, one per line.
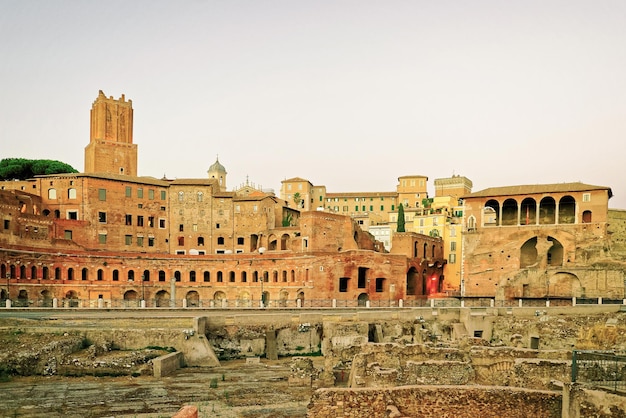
[400, 227]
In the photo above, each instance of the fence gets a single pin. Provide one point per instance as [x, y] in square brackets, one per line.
[600, 369]
[476, 302]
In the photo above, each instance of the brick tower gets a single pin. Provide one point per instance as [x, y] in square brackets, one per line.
[111, 149]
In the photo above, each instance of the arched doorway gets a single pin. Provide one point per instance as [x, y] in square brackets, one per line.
[46, 298]
[71, 299]
[411, 281]
[244, 299]
[193, 299]
[22, 298]
[162, 299]
[300, 297]
[362, 299]
[283, 296]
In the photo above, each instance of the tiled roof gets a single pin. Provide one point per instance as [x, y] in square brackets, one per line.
[529, 189]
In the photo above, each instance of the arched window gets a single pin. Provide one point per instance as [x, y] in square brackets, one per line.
[52, 194]
[71, 193]
[220, 240]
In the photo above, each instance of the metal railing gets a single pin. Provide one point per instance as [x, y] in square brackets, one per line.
[474, 302]
[599, 369]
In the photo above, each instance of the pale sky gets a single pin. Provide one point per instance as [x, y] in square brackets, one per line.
[347, 94]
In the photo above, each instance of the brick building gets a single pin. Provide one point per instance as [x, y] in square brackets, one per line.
[539, 241]
[107, 234]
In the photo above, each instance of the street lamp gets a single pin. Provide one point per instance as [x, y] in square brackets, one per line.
[8, 286]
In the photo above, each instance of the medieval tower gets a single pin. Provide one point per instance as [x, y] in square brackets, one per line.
[111, 149]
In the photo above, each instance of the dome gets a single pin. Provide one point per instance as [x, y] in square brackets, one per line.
[217, 167]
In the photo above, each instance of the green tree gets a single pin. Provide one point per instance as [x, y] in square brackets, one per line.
[400, 227]
[297, 199]
[22, 168]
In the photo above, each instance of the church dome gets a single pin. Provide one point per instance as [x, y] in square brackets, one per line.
[216, 167]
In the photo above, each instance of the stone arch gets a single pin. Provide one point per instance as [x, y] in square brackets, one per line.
[193, 299]
[300, 296]
[528, 215]
[547, 211]
[528, 253]
[131, 295]
[219, 295]
[567, 210]
[284, 242]
[22, 298]
[587, 217]
[509, 212]
[272, 242]
[162, 298]
[72, 298]
[411, 281]
[362, 299]
[491, 213]
[555, 253]
[46, 298]
[283, 296]
[566, 285]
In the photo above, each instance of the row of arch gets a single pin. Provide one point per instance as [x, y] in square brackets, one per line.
[161, 298]
[45, 273]
[529, 211]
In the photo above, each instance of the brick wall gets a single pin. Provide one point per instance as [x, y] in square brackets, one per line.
[436, 401]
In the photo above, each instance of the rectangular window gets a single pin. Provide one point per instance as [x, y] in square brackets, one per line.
[382, 208]
[7, 223]
[151, 194]
[102, 217]
[452, 258]
[140, 241]
[161, 223]
[393, 207]
[163, 195]
[67, 234]
[453, 246]
[151, 221]
[586, 197]
[150, 241]
[102, 238]
[128, 219]
[129, 191]
[140, 193]
[128, 239]
[181, 227]
[194, 227]
[139, 220]
[345, 208]
[453, 232]
[72, 214]
[102, 194]
[239, 240]
[356, 208]
[371, 208]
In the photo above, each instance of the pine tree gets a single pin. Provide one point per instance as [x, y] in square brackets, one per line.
[400, 227]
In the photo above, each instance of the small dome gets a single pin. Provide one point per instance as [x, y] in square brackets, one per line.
[217, 167]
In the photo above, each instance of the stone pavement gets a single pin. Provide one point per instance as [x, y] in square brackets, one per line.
[235, 389]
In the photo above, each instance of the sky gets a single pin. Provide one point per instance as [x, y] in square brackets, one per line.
[348, 94]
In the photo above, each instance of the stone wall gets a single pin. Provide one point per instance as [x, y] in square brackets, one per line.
[167, 364]
[435, 401]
